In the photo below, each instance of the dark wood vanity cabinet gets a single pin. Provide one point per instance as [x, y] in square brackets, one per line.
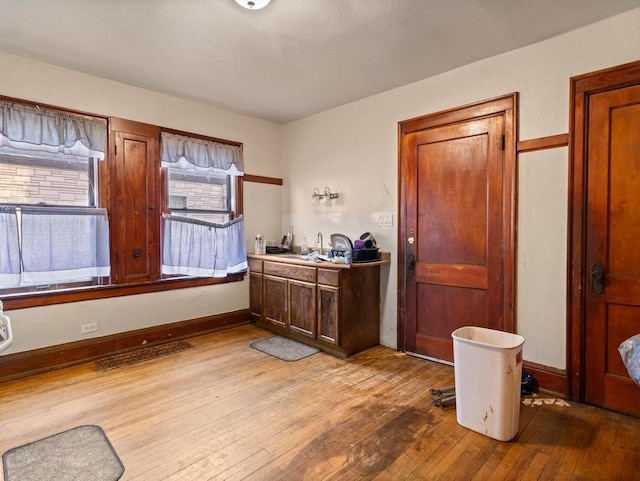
[333, 307]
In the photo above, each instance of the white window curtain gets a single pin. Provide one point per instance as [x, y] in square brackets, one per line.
[203, 249]
[199, 155]
[10, 251]
[23, 127]
[64, 244]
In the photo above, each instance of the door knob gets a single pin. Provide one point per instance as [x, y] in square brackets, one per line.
[411, 240]
[597, 278]
[136, 252]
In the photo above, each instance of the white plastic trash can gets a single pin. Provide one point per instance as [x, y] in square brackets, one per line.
[488, 376]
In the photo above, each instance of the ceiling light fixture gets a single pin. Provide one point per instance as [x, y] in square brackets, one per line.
[253, 4]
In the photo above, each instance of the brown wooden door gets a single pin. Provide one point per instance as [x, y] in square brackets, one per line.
[612, 240]
[136, 172]
[458, 190]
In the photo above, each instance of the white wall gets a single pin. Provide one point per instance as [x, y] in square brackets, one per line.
[353, 150]
[46, 326]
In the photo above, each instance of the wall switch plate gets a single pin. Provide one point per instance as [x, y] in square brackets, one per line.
[385, 220]
[89, 327]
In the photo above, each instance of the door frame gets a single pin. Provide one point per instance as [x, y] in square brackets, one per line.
[507, 106]
[582, 86]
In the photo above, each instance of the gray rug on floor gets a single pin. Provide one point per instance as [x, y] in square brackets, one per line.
[283, 348]
[80, 454]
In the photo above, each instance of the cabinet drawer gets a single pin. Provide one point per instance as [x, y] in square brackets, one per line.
[290, 271]
[329, 277]
[255, 265]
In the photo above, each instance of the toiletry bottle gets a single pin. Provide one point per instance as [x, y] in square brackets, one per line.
[259, 248]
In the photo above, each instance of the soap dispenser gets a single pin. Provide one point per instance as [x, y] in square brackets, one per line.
[288, 239]
[305, 246]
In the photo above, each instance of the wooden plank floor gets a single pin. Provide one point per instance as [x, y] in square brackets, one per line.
[223, 411]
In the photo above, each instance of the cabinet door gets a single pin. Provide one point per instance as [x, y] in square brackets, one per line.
[274, 300]
[255, 295]
[135, 175]
[328, 314]
[302, 308]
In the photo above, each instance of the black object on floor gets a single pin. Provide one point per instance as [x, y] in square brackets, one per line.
[529, 383]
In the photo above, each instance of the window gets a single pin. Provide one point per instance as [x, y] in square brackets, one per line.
[200, 196]
[69, 206]
[48, 181]
[35, 178]
[201, 176]
[200, 236]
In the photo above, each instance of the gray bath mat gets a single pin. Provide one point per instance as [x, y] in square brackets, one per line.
[80, 454]
[284, 348]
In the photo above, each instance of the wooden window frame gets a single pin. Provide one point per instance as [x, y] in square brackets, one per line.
[21, 299]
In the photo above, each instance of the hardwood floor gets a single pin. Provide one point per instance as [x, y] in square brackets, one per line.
[223, 411]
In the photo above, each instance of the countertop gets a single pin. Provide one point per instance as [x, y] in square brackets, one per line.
[385, 258]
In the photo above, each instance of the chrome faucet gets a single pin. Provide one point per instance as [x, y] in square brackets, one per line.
[319, 241]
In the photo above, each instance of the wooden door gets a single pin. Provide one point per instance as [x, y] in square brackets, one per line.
[458, 260]
[612, 246]
[136, 172]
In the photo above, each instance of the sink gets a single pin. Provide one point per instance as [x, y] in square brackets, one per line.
[300, 257]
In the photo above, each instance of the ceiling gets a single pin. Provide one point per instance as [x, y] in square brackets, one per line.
[289, 60]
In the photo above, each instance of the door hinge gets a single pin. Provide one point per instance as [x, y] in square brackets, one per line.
[503, 141]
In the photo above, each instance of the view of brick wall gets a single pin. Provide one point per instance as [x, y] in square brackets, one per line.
[29, 181]
[198, 195]
[52, 183]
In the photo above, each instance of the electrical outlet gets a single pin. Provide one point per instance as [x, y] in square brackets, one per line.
[385, 220]
[89, 327]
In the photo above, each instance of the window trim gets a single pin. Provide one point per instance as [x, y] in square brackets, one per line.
[20, 300]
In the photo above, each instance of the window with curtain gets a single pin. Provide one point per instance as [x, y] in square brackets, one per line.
[51, 230]
[201, 238]
[57, 180]
[49, 157]
[200, 177]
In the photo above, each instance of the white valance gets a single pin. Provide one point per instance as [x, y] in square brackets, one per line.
[23, 127]
[199, 155]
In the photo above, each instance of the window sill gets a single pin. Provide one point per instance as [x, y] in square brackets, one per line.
[31, 299]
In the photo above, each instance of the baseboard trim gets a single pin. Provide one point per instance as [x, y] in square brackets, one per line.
[38, 361]
[552, 381]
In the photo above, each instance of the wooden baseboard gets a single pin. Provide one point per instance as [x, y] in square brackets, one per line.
[28, 363]
[552, 381]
